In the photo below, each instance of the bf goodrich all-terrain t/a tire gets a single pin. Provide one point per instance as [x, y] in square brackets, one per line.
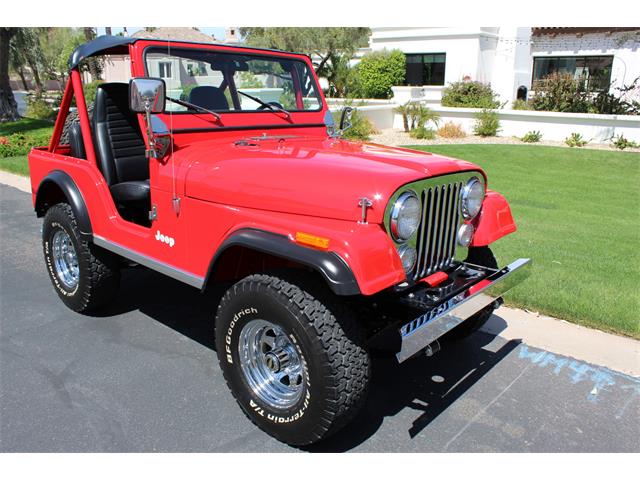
[482, 256]
[84, 276]
[294, 361]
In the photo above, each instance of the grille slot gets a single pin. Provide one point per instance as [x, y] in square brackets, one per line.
[436, 243]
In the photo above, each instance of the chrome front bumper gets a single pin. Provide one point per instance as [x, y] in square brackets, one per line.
[431, 325]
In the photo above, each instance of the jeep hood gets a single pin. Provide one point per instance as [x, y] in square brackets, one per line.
[307, 176]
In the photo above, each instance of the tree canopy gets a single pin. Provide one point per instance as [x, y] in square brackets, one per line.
[328, 47]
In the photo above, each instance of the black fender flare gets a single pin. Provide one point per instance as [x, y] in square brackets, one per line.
[74, 198]
[330, 265]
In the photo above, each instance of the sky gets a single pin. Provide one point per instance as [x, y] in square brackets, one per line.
[218, 32]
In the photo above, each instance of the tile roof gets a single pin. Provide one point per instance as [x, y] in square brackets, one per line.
[187, 34]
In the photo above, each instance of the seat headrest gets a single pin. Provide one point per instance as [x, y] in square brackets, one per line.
[117, 94]
[209, 97]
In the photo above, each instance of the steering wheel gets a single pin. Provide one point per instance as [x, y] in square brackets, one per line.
[275, 104]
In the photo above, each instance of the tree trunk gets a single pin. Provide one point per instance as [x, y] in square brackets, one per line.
[36, 77]
[8, 105]
[25, 86]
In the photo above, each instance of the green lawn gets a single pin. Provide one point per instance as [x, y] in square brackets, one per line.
[18, 165]
[578, 218]
[35, 133]
[24, 125]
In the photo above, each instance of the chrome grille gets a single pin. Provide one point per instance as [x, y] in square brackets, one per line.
[436, 242]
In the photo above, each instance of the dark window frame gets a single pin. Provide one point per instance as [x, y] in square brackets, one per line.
[438, 83]
[164, 68]
[269, 55]
[605, 85]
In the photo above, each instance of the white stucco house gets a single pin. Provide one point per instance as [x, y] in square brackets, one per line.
[509, 58]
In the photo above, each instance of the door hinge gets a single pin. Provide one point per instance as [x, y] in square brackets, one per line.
[153, 214]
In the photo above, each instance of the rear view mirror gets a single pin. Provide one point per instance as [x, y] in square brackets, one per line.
[147, 95]
[345, 119]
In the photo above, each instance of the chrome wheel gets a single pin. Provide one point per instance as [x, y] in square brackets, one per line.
[65, 259]
[271, 364]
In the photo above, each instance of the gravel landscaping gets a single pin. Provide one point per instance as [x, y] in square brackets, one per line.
[398, 137]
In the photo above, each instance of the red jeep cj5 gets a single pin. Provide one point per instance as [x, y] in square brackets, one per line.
[221, 165]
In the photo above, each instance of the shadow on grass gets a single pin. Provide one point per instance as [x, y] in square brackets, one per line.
[23, 125]
[426, 385]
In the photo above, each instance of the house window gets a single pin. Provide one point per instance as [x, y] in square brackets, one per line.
[425, 69]
[596, 71]
[165, 69]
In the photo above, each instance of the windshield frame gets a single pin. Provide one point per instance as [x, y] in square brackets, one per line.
[180, 46]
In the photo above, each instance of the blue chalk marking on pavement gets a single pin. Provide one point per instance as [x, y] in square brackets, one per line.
[602, 378]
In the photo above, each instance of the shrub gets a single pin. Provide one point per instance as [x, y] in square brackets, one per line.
[22, 143]
[451, 130]
[38, 108]
[249, 80]
[186, 91]
[90, 91]
[487, 123]
[620, 142]
[610, 104]
[575, 140]
[423, 133]
[379, 71]
[520, 105]
[533, 136]
[361, 127]
[560, 92]
[470, 95]
[416, 115]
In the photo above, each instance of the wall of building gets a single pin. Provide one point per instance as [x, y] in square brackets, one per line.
[512, 63]
[503, 56]
[468, 49]
[117, 68]
[625, 48]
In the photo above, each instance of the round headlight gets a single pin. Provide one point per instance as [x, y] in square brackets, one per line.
[408, 257]
[472, 197]
[405, 216]
[465, 234]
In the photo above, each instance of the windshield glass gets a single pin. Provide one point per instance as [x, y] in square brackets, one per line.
[212, 80]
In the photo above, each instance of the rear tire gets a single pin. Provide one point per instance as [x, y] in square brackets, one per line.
[295, 362]
[484, 257]
[84, 276]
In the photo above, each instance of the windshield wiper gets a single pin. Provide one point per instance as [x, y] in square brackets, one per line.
[270, 106]
[195, 107]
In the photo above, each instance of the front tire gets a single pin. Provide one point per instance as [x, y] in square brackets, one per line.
[294, 362]
[84, 276]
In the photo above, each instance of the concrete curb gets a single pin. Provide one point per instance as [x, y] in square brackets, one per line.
[559, 336]
[16, 181]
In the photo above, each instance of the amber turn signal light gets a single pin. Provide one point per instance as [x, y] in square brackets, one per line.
[312, 240]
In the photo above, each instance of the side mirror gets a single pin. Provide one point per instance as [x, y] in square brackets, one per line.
[345, 119]
[147, 95]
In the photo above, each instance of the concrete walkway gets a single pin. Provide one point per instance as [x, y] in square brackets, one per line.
[612, 351]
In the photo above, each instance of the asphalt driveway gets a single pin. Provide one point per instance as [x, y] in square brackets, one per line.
[143, 376]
